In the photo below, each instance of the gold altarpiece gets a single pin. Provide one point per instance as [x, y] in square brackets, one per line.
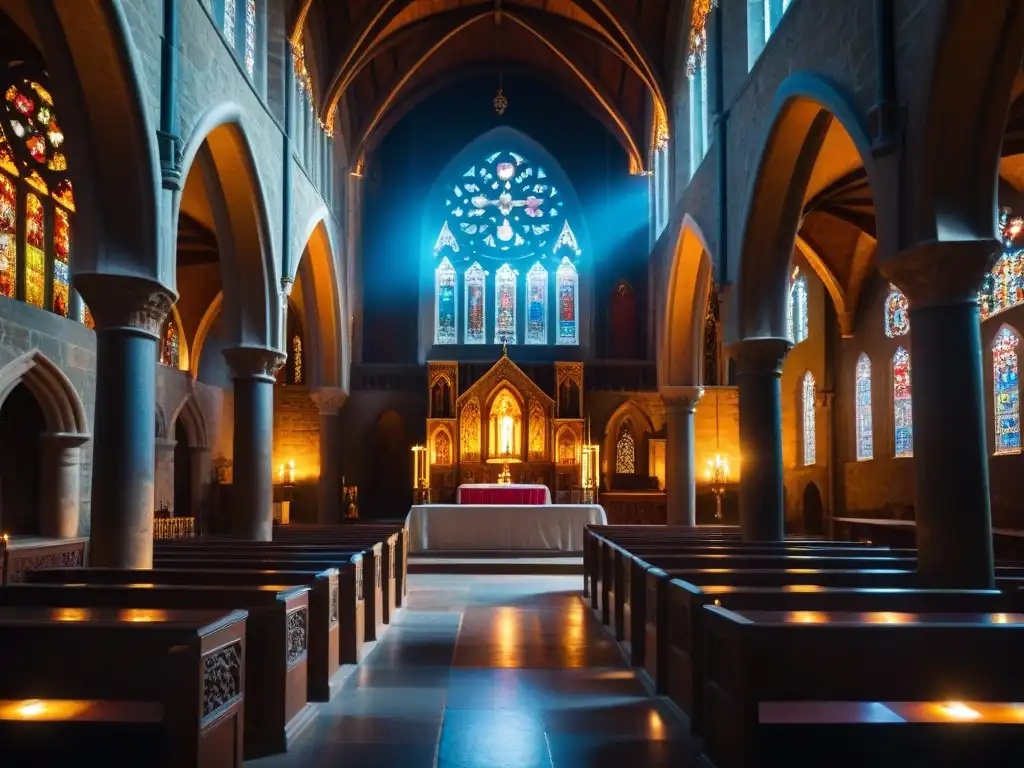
[504, 420]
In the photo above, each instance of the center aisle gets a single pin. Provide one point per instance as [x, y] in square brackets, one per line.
[493, 672]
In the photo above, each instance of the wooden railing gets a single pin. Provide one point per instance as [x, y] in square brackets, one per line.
[634, 507]
[174, 527]
[32, 553]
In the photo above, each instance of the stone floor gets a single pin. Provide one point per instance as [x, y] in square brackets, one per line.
[493, 672]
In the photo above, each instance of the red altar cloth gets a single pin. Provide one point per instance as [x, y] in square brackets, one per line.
[503, 494]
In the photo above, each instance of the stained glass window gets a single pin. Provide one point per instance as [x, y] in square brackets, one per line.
[35, 255]
[1007, 393]
[61, 261]
[169, 350]
[865, 438]
[897, 313]
[625, 453]
[85, 316]
[567, 281]
[798, 309]
[505, 305]
[1003, 287]
[903, 413]
[7, 162]
[229, 22]
[506, 209]
[810, 432]
[8, 237]
[250, 37]
[445, 315]
[297, 372]
[476, 305]
[537, 305]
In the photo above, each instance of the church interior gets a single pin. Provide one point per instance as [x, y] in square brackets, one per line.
[511, 383]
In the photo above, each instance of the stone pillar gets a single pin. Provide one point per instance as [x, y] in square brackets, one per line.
[200, 479]
[951, 485]
[680, 469]
[758, 374]
[129, 312]
[61, 469]
[253, 370]
[329, 402]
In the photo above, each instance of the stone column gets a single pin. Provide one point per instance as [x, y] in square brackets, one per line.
[200, 478]
[253, 370]
[680, 470]
[61, 469]
[329, 402]
[164, 473]
[758, 374]
[951, 485]
[129, 312]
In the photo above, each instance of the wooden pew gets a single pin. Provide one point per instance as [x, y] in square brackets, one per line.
[324, 663]
[761, 657]
[340, 533]
[377, 597]
[350, 582]
[656, 582]
[684, 630]
[277, 632]
[115, 687]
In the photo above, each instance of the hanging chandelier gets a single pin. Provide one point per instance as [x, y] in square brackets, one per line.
[500, 101]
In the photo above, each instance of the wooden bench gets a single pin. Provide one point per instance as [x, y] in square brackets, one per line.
[337, 558]
[352, 612]
[684, 631]
[656, 582]
[755, 657]
[277, 632]
[116, 687]
[324, 661]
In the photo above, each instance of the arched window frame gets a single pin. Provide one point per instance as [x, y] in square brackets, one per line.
[170, 343]
[567, 294]
[446, 328]
[1006, 392]
[39, 260]
[797, 313]
[809, 417]
[475, 291]
[862, 409]
[897, 313]
[537, 305]
[625, 451]
[506, 284]
[242, 23]
[698, 83]
[902, 405]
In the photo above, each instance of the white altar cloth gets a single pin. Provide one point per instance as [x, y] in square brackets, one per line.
[501, 487]
[465, 527]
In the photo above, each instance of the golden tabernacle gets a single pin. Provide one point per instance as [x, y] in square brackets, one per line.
[504, 428]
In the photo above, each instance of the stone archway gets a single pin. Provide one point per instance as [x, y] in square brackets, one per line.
[814, 510]
[66, 431]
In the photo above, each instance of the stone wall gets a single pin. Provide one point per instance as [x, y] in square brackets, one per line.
[296, 432]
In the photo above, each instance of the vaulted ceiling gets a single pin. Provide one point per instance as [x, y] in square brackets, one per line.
[384, 56]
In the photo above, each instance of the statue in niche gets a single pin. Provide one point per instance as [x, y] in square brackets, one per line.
[569, 400]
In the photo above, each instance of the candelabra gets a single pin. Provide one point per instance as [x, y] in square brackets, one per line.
[717, 474]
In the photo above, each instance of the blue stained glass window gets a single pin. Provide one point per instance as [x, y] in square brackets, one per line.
[567, 280]
[902, 404]
[1007, 392]
[798, 308]
[865, 441]
[476, 306]
[445, 313]
[897, 313]
[505, 305]
[810, 432]
[537, 305]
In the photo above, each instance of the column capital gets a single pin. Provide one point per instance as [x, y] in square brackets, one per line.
[254, 362]
[124, 301]
[936, 273]
[681, 398]
[329, 400]
[760, 354]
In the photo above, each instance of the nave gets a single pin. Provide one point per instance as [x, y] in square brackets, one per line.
[493, 672]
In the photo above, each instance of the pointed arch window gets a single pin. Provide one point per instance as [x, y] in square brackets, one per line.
[230, 10]
[810, 432]
[774, 10]
[505, 305]
[625, 452]
[567, 281]
[250, 37]
[170, 346]
[798, 308]
[476, 305]
[445, 312]
[698, 79]
[897, 313]
[537, 305]
[36, 193]
[1006, 391]
[865, 438]
[1003, 286]
[902, 404]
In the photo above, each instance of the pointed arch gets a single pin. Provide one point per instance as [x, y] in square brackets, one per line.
[632, 416]
[205, 325]
[219, 147]
[327, 348]
[194, 422]
[680, 359]
[60, 403]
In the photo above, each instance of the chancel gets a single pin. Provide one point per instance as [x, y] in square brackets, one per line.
[563, 384]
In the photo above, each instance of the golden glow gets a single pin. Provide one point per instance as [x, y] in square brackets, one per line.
[717, 470]
[71, 614]
[888, 617]
[32, 709]
[508, 629]
[1000, 618]
[142, 615]
[42, 709]
[505, 441]
[803, 588]
[655, 726]
[957, 710]
[504, 436]
[718, 602]
[807, 617]
[420, 475]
